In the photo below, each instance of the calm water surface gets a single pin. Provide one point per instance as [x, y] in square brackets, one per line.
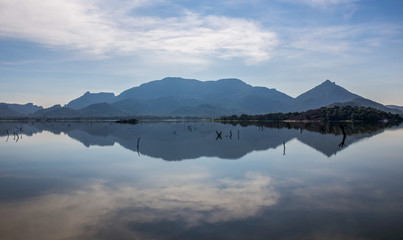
[180, 180]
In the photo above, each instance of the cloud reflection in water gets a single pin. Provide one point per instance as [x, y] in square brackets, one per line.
[81, 212]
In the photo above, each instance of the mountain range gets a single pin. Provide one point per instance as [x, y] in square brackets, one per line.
[189, 97]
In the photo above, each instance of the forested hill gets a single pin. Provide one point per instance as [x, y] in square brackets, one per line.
[325, 114]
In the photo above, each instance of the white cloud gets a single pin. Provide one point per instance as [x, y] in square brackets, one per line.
[343, 40]
[103, 29]
[324, 4]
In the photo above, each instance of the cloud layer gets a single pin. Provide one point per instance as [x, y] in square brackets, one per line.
[104, 30]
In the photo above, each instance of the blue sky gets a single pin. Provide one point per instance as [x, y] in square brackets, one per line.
[52, 51]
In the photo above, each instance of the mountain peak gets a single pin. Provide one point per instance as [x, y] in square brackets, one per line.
[172, 79]
[232, 80]
[56, 106]
[324, 94]
[328, 82]
[90, 98]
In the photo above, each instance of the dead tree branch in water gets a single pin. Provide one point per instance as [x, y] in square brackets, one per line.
[16, 132]
[342, 144]
[18, 137]
[218, 135]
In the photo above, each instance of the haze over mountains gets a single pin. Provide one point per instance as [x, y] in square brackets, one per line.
[190, 97]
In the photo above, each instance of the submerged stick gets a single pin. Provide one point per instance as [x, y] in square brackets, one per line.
[138, 146]
[283, 148]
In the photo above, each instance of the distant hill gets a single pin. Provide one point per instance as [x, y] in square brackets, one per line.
[363, 102]
[159, 106]
[89, 99]
[230, 94]
[101, 110]
[400, 108]
[6, 111]
[330, 94]
[324, 94]
[174, 96]
[55, 111]
[18, 109]
[94, 110]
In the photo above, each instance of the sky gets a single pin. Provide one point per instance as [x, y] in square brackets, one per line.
[52, 51]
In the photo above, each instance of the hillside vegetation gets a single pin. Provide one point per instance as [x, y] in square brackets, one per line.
[325, 114]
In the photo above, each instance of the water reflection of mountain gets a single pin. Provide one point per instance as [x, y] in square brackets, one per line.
[327, 137]
[189, 140]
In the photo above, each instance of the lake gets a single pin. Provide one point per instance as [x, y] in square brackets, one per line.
[200, 180]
